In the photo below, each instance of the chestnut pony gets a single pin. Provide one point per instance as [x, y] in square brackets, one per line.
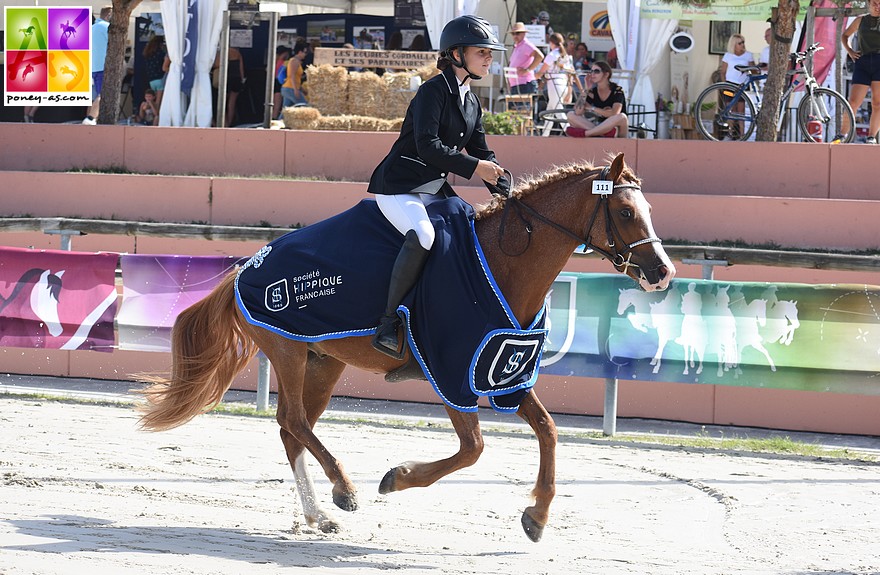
[527, 238]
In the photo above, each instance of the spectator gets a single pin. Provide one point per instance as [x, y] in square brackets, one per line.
[99, 55]
[764, 58]
[282, 54]
[581, 58]
[291, 90]
[29, 112]
[736, 55]
[526, 58]
[866, 68]
[148, 112]
[571, 43]
[557, 68]
[418, 43]
[611, 57]
[154, 58]
[395, 42]
[235, 80]
[601, 109]
[543, 18]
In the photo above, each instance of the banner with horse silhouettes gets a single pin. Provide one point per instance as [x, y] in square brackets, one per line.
[789, 336]
[57, 300]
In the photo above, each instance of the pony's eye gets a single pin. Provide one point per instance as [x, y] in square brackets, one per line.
[626, 213]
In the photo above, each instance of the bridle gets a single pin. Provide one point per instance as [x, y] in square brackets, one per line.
[619, 258]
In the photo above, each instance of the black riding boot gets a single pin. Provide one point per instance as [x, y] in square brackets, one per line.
[407, 268]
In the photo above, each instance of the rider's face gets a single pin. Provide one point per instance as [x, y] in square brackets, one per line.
[478, 60]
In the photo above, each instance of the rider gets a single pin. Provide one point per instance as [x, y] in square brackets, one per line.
[443, 119]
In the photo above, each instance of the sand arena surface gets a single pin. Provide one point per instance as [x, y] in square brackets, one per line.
[84, 491]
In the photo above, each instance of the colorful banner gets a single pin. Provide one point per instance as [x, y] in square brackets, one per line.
[730, 10]
[57, 299]
[47, 56]
[155, 288]
[789, 336]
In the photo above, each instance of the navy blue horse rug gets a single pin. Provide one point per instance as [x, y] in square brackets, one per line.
[330, 280]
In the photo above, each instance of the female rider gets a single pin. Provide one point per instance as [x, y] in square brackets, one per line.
[441, 134]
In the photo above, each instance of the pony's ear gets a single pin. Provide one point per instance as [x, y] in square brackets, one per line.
[616, 168]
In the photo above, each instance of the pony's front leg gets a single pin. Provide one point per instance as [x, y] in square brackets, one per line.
[422, 474]
[534, 518]
[315, 516]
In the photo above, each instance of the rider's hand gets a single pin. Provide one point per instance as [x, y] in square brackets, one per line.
[489, 171]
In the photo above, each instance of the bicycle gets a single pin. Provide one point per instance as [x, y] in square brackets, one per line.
[729, 111]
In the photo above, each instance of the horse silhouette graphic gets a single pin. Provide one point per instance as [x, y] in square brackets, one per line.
[27, 32]
[27, 70]
[67, 30]
[34, 297]
[721, 321]
[66, 70]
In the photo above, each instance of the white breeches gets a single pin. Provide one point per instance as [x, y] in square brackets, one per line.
[407, 212]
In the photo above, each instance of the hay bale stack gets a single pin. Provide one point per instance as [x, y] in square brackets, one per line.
[328, 89]
[399, 95]
[301, 118]
[427, 72]
[358, 124]
[366, 94]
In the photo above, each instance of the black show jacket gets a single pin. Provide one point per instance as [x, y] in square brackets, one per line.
[436, 128]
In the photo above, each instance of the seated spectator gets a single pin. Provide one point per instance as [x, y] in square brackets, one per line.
[601, 109]
[418, 44]
[148, 112]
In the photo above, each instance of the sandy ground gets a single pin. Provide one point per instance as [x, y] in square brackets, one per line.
[82, 490]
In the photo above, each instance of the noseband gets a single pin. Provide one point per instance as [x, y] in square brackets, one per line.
[619, 258]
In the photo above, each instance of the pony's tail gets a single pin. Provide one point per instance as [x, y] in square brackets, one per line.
[209, 346]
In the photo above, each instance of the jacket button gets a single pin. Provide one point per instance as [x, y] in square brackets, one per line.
[443, 175]
[461, 135]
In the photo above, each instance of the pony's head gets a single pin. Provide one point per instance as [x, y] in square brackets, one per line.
[621, 229]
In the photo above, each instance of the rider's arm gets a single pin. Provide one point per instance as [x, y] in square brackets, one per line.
[427, 108]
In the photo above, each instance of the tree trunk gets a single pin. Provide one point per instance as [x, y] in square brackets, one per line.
[114, 65]
[780, 46]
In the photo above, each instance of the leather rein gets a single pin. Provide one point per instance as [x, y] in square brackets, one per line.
[619, 258]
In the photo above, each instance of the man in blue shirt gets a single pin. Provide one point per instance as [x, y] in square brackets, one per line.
[99, 54]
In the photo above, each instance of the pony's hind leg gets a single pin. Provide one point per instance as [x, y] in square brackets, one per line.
[422, 474]
[535, 517]
[305, 385]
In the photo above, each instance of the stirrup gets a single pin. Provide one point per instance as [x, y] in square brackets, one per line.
[386, 339]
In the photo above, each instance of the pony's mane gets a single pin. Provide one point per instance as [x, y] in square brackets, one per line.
[555, 174]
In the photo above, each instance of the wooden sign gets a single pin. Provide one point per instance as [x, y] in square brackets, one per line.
[353, 58]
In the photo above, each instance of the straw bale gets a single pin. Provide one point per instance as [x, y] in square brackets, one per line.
[358, 124]
[301, 118]
[328, 89]
[427, 72]
[366, 94]
[399, 94]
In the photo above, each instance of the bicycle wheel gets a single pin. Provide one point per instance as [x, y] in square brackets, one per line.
[724, 113]
[823, 115]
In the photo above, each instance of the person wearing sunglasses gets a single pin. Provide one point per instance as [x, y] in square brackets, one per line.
[736, 55]
[599, 111]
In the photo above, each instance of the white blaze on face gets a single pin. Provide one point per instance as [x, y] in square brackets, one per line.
[44, 304]
[643, 209]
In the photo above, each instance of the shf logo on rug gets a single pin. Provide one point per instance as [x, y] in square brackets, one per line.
[47, 56]
[507, 360]
[277, 297]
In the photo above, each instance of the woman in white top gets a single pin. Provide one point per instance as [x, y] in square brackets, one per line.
[556, 68]
[736, 56]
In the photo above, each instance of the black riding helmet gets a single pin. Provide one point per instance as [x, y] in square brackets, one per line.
[467, 31]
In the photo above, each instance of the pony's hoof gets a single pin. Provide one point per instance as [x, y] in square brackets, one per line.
[329, 526]
[531, 527]
[346, 502]
[386, 486]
